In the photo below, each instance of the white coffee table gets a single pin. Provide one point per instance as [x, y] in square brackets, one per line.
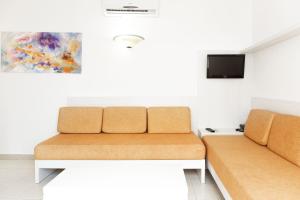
[119, 182]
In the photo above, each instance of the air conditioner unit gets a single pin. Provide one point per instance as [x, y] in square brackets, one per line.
[130, 7]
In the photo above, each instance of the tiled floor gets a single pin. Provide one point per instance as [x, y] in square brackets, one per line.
[17, 183]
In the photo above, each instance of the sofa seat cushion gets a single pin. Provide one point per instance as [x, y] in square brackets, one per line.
[124, 120]
[121, 147]
[250, 171]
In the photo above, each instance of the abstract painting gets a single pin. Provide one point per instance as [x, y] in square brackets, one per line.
[41, 52]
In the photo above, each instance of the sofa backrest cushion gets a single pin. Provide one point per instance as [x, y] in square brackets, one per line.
[284, 137]
[169, 120]
[258, 125]
[80, 120]
[124, 120]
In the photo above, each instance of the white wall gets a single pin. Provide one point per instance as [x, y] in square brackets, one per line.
[224, 103]
[168, 63]
[276, 69]
[273, 16]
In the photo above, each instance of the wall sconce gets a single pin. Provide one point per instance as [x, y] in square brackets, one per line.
[128, 41]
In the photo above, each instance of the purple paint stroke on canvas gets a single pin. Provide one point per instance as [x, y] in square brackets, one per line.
[48, 39]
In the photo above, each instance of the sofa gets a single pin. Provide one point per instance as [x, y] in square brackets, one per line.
[264, 163]
[92, 136]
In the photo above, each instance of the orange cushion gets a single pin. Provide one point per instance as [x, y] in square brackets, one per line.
[121, 147]
[258, 126]
[284, 137]
[251, 171]
[80, 120]
[169, 120]
[124, 120]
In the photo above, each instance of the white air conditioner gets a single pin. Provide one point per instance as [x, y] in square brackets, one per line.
[130, 7]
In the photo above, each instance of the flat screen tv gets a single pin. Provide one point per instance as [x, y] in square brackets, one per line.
[226, 66]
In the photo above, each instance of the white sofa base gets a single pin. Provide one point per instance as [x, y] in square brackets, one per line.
[43, 168]
[218, 181]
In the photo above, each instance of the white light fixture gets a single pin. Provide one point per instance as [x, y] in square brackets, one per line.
[128, 41]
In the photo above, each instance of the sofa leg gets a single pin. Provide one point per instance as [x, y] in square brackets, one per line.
[41, 174]
[203, 175]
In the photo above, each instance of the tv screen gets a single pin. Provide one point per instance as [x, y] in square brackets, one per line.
[226, 66]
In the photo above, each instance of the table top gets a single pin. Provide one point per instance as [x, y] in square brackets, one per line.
[219, 131]
[117, 181]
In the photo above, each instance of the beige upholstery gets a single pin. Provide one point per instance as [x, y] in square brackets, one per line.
[284, 138]
[80, 120]
[124, 120]
[258, 126]
[121, 147]
[169, 120]
[250, 171]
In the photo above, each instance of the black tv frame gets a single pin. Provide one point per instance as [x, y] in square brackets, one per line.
[225, 76]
